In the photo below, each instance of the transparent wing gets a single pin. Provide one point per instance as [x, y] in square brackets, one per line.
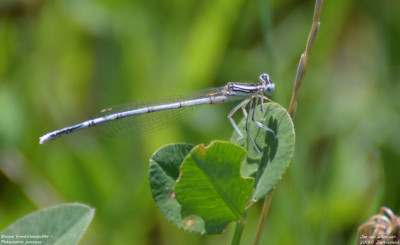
[149, 122]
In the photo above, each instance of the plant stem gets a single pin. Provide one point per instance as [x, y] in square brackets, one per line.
[301, 70]
[267, 203]
[239, 229]
[303, 63]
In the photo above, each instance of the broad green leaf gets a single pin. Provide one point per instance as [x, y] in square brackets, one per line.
[163, 172]
[61, 224]
[210, 185]
[268, 168]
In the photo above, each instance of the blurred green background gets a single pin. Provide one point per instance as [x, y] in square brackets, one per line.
[63, 61]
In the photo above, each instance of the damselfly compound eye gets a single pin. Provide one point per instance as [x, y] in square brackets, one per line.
[264, 78]
[269, 86]
[269, 89]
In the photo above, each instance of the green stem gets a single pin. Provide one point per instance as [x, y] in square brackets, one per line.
[239, 230]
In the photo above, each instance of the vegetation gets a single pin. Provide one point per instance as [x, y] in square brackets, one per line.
[63, 61]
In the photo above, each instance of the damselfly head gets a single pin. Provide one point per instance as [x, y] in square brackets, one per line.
[269, 85]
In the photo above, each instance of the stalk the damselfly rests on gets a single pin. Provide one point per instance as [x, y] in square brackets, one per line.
[136, 118]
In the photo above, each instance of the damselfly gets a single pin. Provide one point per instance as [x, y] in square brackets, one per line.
[136, 118]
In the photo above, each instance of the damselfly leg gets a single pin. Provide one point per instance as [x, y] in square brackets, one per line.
[252, 105]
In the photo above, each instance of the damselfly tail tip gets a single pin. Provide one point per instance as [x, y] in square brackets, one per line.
[43, 139]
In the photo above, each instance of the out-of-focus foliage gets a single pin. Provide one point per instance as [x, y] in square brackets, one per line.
[60, 224]
[62, 61]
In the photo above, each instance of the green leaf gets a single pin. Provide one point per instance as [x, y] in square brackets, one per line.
[268, 168]
[163, 172]
[210, 185]
[61, 224]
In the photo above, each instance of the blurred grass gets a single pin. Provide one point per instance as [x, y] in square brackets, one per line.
[62, 61]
